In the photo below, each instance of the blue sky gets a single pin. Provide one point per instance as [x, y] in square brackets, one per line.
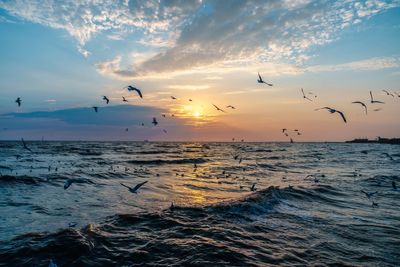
[67, 55]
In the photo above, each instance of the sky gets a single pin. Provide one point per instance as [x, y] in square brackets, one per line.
[61, 58]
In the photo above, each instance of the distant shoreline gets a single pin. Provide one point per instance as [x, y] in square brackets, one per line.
[394, 141]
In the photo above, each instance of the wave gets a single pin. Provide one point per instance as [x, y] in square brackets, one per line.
[172, 161]
[10, 179]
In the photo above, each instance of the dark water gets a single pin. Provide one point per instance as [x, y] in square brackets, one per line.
[216, 220]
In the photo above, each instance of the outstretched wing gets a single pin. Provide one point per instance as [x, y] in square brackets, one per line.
[139, 186]
[125, 186]
[139, 92]
[341, 114]
[259, 77]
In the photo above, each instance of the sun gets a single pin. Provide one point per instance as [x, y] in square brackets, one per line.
[196, 114]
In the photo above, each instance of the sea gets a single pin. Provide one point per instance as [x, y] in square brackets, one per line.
[204, 204]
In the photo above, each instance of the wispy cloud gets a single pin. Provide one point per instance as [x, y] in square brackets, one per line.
[377, 63]
[189, 87]
[195, 34]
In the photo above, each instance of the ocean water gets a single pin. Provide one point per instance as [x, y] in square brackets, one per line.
[306, 208]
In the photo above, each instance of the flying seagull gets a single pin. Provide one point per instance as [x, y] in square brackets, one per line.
[173, 97]
[18, 101]
[304, 95]
[230, 106]
[375, 101]
[362, 104]
[134, 189]
[332, 110]
[253, 187]
[106, 99]
[96, 109]
[369, 195]
[124, 100]
[260, 80]
[155, 122]
[25, 146]
[388, 93]
[131, 88]
[69, 182]
[218, 108]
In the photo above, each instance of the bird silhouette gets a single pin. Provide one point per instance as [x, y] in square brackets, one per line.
[304, 95]
[260, 80]
[375, 101]
[106, 99]
[218, 108]
[18, 101]
[124, 100]
[231, 107]
[388, 93]
[134, 189]
[96, 109]
[362, 104]
[173, 97]
[131, 88]
[154, 122]
[25, 146]
[332, 110]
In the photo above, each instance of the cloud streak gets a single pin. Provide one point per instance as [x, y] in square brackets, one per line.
[194, 34]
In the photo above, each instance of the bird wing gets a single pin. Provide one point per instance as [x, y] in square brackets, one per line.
[302, 91]
[341, 114]
[372, 98]
[386, 92]
[139, 92]
[139, 186]
[322, 108]
[270, 84]
[259, 76]
[307, 98]
[125, 185]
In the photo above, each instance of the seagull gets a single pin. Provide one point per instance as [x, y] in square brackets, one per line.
[124, 100]
[362, 104]
[155, 122]
[173, 97]
[134, 189]
[18, 101]
[69, 182]
[253, 187]
[284, 130]
[230, 106]
[369, 195]
[106, 99]
[96, 109]
[131, 88]
[388, 93]
[304, 95]
[375, 101]
[387, 155]
[218, 108]
[332, 110]
[190, 100]
[25, 146]
[260, 80]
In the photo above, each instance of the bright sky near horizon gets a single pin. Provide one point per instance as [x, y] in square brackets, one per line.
[61, 57]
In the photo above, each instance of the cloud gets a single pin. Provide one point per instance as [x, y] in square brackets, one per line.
[195, 34]
[189, 87]
[377, 63]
